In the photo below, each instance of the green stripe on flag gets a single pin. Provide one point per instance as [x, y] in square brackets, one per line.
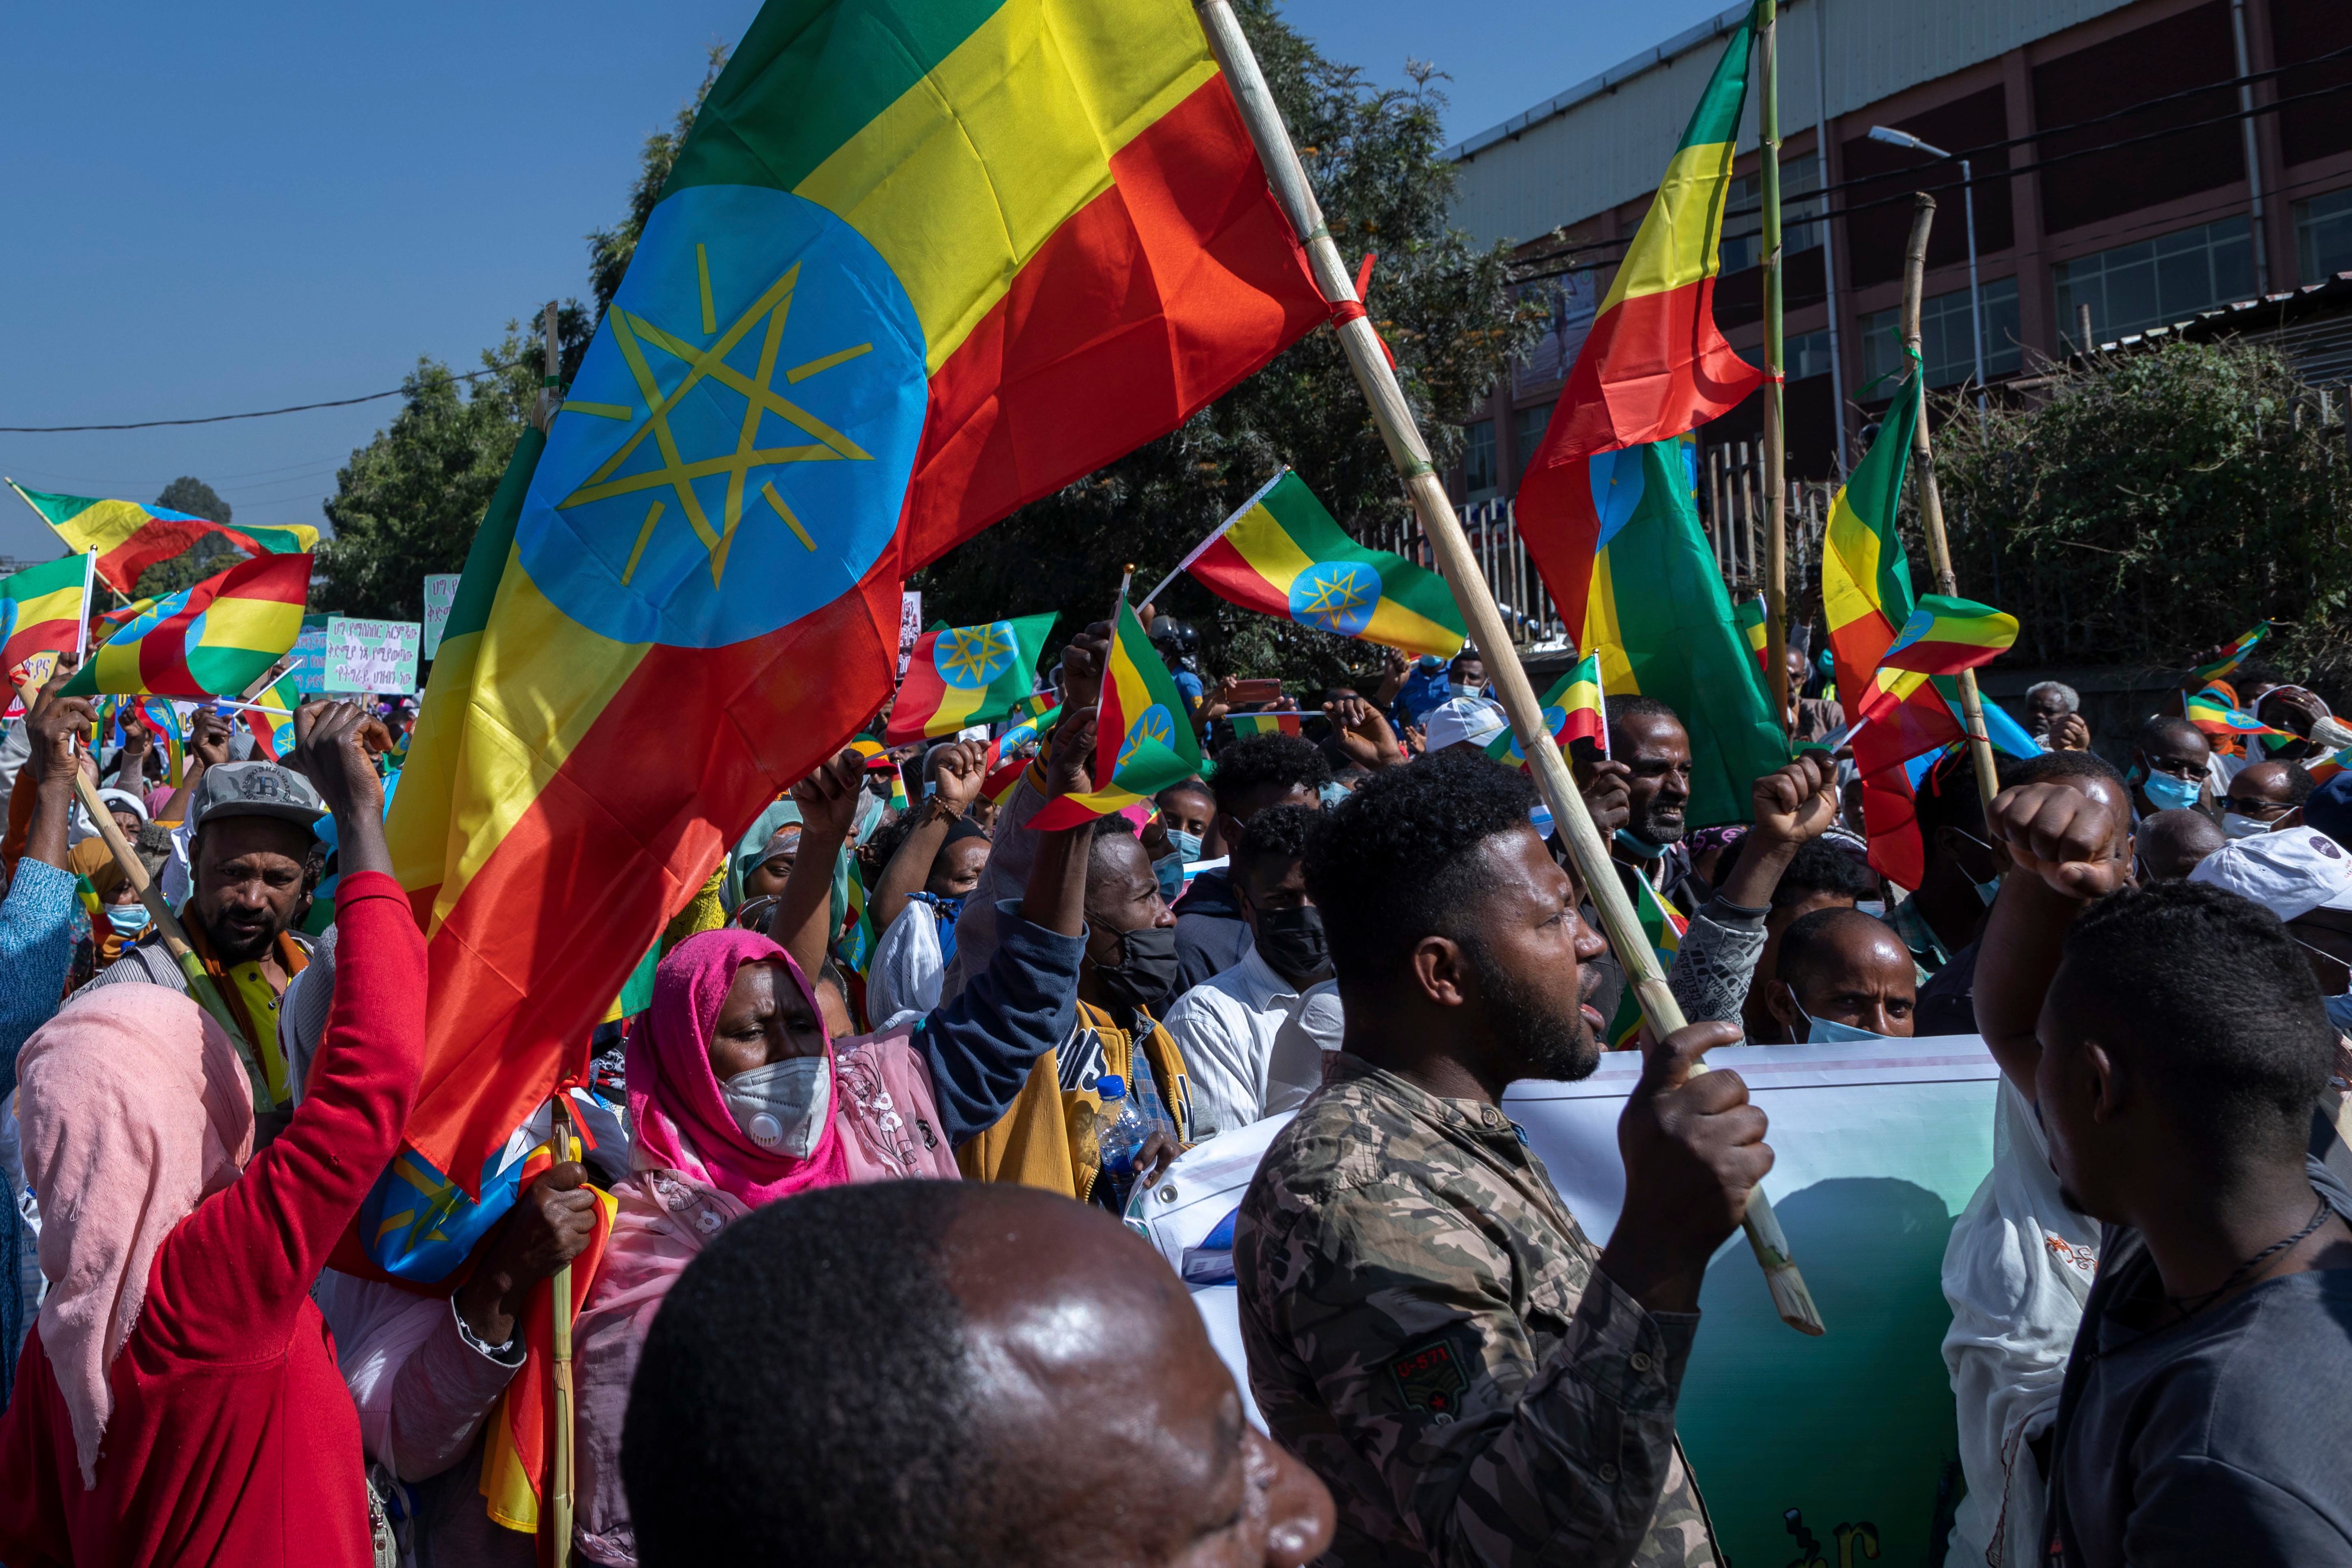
[810, 75]
[1320, 538]
[1716, 119]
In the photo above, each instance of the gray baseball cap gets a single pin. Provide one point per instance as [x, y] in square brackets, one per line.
[253, 789]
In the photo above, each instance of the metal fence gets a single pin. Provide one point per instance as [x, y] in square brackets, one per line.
[1731, 515]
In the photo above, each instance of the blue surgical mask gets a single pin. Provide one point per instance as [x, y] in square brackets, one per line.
[127, 919]
[2168, 793]
[1186, 844]
[2237, 824]
[1640, 848]
[1170, 870]
[1987, 891]
[1430, 664]
[1829, 1031]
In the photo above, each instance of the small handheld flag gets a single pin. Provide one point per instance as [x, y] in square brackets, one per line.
[270, 717]
[1663, 928]
[1144, 741]
[161, 720]
[961, 676]
[2215, 711]
[1265, 723]
[1748, 614]
[128, 537]
[1943, 636]
[2233, 656]
[1281, 554]
[45, 609]
[1572, 712]
[211, 640]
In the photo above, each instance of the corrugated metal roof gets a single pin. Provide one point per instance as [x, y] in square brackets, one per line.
[1605, 141]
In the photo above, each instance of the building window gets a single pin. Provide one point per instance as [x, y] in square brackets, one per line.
[1478, 478]
[1805, 355]
[2323, 236]
[2156, 283]
[1526, 435]
[1946, 340]
[1743, 215]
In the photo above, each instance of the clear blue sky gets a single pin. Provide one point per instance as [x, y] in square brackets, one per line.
[222, 208]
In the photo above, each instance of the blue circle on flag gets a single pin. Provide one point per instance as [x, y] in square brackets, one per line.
[1914, 628]
[969, 657]
[736, 449]
[1336, 596]
[1153, 724]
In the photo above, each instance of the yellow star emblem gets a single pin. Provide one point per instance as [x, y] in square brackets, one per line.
[1333, 596]
[634, 335]
[973, 655]
[440, 1198]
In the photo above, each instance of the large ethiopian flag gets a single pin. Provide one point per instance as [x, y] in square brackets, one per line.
[916, 265]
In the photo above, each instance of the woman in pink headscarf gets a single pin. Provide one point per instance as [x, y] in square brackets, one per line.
[738, 1096]
[178, 1401]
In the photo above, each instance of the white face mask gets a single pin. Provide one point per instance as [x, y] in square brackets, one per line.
[781, 1106]
[2236, 824]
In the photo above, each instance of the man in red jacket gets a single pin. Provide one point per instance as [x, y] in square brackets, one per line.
[179, 1401]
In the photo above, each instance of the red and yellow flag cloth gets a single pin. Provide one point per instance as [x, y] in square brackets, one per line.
[913, 269]
[1654, 365]
[962, 676]
[1281, 554]
[2215, 711]
[43, 610]
[2232, 657]
[1664, 928]
[270, 717]
[1942, 636]
[212, 640]
[1266, 723]
[1749, 615]
[1144, 741]
[128, 537]
[1571, 711]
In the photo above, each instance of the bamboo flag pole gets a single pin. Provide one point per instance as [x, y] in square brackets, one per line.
[176, 935]
[1378, 381]
[559, 1301]
[1776, 457]
[1931, 500]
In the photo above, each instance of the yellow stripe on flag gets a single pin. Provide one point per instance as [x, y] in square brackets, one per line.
[1262, 541]
[1850, 549]
[1676, 245]
[118, 667]
[251, 623]
[1602, 630]
[58, 604]
[975, 168]
[103, 526]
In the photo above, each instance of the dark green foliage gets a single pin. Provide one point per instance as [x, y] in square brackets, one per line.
[2154, 506]
[408, 501]
[191, 495]
[1444, 307]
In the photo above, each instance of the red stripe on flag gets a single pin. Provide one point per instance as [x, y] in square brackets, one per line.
[1653, 368]
[1146, 306]
[541, 938]
[1228, 572]
[157, 540]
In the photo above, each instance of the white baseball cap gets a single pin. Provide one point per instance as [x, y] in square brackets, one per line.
[2289, 873]
[1460, 721]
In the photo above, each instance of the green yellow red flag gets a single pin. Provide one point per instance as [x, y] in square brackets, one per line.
[45, 609]
[211, 640]
[128, 537]
[1942, 636]
[1281, 554]
[913, 268]
[1143, 741]
[961, 676]
[1265, 723]
[1571, 711]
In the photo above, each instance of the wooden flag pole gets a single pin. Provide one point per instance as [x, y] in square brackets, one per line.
[1776, 457]
[559, 1301]
[175, 936]
[1931, 500]
[1377, 378]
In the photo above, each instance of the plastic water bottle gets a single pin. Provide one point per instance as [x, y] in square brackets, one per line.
[1120, 1133]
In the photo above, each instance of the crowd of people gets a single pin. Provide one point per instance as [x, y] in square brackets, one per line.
[1355, 920]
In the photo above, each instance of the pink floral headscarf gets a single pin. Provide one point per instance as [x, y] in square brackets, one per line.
[678, 1117]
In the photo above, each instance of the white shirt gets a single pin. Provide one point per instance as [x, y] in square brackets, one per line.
[1253, 1045]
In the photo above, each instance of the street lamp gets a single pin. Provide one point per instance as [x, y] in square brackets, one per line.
[1894, 138]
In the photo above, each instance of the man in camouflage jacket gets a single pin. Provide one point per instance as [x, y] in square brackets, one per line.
[1427, 1326]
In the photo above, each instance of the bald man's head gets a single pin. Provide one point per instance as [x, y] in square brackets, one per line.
[1845, 967]
[929, 1373]
[2170, 843]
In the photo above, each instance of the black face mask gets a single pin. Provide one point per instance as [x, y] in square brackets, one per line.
[1293, 946]
[1146, 971]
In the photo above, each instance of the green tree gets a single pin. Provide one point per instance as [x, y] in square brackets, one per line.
[191, 495]
[2154, 505]
[208, 556]
[408, 501]
[1445, 307]
[611, 250]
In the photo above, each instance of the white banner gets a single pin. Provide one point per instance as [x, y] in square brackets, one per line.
[440, 595]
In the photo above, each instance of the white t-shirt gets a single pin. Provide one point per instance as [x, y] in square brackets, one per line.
[1253, 1045]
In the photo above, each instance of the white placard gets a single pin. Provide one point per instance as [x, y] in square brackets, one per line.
[440, 596]
[910, 627]
[371, 655]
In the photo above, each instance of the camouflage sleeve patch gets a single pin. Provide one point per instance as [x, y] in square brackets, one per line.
[1430, 1377]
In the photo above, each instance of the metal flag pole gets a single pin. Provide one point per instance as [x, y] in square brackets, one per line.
[1377, 379]
[1931, 501]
